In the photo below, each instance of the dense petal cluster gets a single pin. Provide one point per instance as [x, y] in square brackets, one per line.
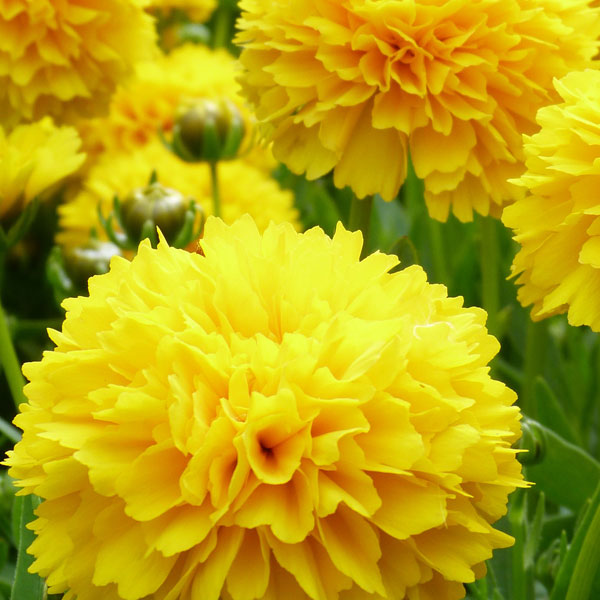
[357, 85]
[65, 58]
[270, 419]
[557, 224]
[29, 165]
[197, 10]
[244, 188]
[148, 101]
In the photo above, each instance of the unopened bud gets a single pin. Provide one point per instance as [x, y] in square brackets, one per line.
[207, 130]
[82, 262]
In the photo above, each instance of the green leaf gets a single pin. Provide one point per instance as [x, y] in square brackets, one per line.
[580, 565]
[564, 472]
[26, 586]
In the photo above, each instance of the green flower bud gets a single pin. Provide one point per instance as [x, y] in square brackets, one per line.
[207, 130]
[82, 262]
[154, 206]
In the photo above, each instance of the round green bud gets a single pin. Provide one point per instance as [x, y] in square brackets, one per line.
[82, 262]
[208, 130]
[155, 205]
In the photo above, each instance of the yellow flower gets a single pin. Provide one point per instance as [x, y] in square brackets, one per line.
[149, 101]
[65, 58]
[33, 158]
[273, 419]
[197, 10]
[244, 189]
[357, 85]
[557, 223]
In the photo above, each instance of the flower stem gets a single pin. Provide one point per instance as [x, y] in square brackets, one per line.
[10, 362]
[438, 253]
[360, 219]
[490, 272]
[216, 195]
[535, 346]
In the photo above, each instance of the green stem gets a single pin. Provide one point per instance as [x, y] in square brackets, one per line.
[490, 271]
[360, 219]
[438, 253]
[221, 27]
[535, 347]
[10, 362]
[214, 177]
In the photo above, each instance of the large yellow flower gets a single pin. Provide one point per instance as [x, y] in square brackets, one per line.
[65, 57]
[357, 85]
[244, 189]
[558, 223]
[272, 419]
[33, 158]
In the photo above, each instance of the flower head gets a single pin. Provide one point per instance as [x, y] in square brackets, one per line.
[149, 101]
[270, 419]
[357, 85]
[244, 188]
[197, 10]
[557, 223]
[66, 58]
[33, 158]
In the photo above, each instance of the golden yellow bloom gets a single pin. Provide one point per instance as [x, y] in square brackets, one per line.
[33, 158]
[149, 101]
[273, 419]
[65, 58]
[244, 189]
[557, 223]
[355, 86]
[197, 10]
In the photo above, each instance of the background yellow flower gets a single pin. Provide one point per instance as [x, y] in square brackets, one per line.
[557, 224]
[148, 101]
[197, 10]
[356, 86]
[244, 188]
[65, 58]
[273, 419]
[33, 158]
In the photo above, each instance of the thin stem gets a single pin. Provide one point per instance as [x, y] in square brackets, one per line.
[490, 271]
[360, 219]
[10, 362]
[214, 177]
[438, 253]
[222, 27]
[535, 347]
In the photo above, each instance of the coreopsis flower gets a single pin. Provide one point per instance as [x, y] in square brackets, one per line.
[244, 188]
[149, 101]
[557, 223]
[66, 58]
[356, 86]
[270, 419]
[197, 10]
[33, 158]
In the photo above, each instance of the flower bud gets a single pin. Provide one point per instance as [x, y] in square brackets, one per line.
[82, 262]
[207, 130]
[154, 206]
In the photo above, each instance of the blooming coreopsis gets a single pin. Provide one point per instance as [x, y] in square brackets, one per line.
[270, 419]
[149, 100]
[65, 58]
[356, 86]
[198, 10]
[557, 224]
[29, 165]
[244, 188]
